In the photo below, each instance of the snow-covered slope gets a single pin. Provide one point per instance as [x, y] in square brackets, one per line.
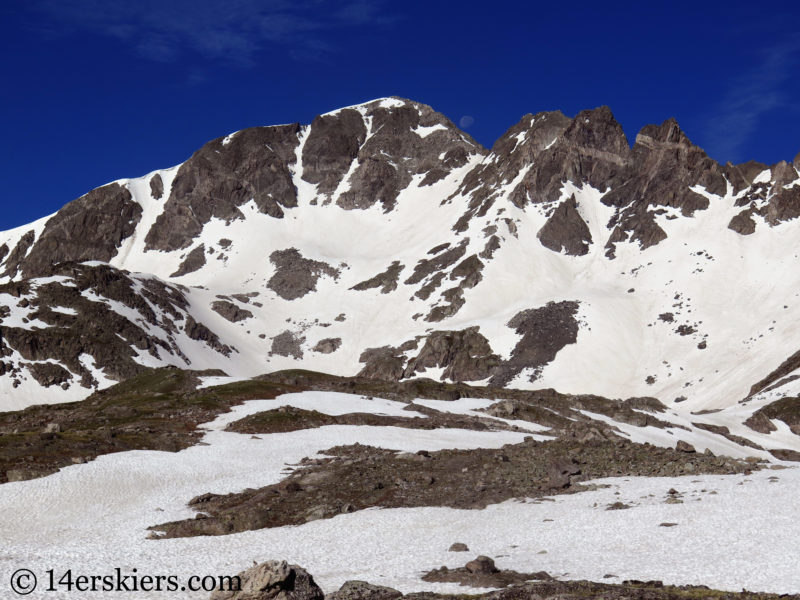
[381, 239]
[94, 517]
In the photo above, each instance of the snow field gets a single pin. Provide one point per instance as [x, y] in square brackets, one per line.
[93, 517]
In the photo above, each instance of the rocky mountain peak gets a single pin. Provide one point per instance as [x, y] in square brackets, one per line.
[597, 129]
[783, 173]
[668, 133]
[532, 134]
[336, 245]
[367, 154]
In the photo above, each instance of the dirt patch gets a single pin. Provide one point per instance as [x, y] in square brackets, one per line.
[157, 410]
[290, 418]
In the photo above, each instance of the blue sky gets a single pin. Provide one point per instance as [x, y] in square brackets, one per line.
[96, 90]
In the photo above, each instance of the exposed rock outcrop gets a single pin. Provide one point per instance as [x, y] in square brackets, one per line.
[273, 580]
[464, 355]
[230, 311]
[544, 332]
[566, 231]
[328, 345]
[89, 228]
[253, 164]
[387, 280]
[156, 186]
[195, 260]
[296, 276]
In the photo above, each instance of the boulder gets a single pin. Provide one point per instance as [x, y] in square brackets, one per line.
[481, 565]
[458, 547]
[361, 590]
[273, 580]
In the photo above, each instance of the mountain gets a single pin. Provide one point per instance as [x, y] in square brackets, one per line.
[381, 240]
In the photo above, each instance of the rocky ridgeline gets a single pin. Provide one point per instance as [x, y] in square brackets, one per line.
[362, 160]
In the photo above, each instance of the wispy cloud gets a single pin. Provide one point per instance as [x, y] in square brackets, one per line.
[233, 30]
[752, 95]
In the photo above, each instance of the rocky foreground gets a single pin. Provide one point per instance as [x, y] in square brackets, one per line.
[277, 580]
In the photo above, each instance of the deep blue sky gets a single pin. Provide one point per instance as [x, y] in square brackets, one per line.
[96, 90]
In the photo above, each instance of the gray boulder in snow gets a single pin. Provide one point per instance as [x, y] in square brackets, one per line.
[273, 580]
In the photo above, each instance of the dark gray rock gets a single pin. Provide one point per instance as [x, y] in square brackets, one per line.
[230, 311]
[331, 147]
[110, 339]
[465, 355]
[458, 547]
[48, 374]
[361, 590]
[742, 176]
[288, 344]
[560, 472]
[481, 564]
[784, 205]
[786, 454]
[394, 153]
[156, 186]
[429, 266]
[219, 178]
[743, 223]
[761, 423]
[387, 280]
[385, 364]
[545, 331]
[18, 253]
[195, 260]
[469, 271]
[296, 276]
[328, 345]
[89, 228]
[27, 474]
[508, 157]
[664, 166]
[198, 331]
[566, 231]
[453, 301]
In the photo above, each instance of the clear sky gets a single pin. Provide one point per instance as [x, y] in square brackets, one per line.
[96, 90]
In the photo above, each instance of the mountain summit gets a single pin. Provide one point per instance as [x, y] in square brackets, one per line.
[382, 240]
